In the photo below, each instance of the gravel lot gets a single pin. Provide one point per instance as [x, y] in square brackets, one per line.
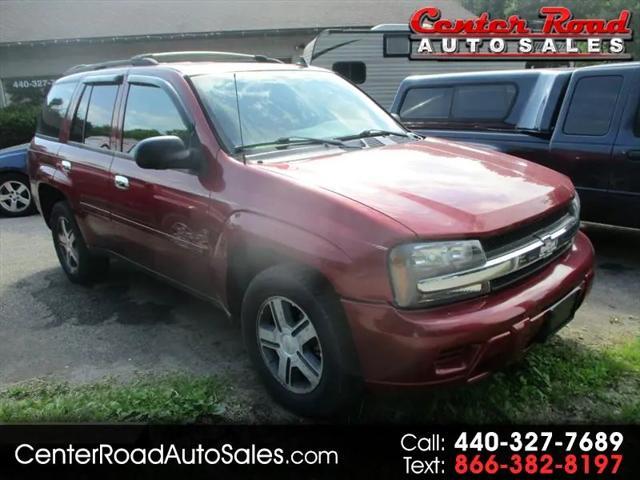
[134, 324]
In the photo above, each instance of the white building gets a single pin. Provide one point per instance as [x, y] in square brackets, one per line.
[39, 40]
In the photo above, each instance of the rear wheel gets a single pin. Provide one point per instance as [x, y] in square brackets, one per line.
[15, 195]
[298, 340]
[80, 265]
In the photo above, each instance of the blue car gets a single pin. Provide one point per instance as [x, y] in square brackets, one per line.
[15, 195]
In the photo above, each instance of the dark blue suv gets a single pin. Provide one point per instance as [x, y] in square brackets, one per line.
[582, 122]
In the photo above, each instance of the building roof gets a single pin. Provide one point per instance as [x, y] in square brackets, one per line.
[28, 21]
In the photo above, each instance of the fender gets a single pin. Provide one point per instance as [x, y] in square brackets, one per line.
[260, 232]
[14, 159]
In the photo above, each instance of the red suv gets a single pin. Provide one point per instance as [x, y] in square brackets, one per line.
[352, 251]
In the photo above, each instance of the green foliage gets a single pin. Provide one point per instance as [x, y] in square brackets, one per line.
[172, 399]
[559, 382]
[17, 124]
[141, 133]
[529, 9]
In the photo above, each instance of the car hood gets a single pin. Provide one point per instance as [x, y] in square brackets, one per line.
[437, 188]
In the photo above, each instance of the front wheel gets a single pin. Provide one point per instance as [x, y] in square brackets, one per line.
[298, 340]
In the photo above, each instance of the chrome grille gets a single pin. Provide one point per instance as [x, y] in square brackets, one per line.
[534, 250]
[513, 261]
[515, 237]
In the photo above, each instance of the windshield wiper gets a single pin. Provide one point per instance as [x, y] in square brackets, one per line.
[375, 133]
[285, 142]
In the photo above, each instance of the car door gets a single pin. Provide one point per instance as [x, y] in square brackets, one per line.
[582, 142]
[85, 159]
[624, 188]
[161, 215]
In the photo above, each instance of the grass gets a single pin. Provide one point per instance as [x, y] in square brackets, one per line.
[559, 382]
[165, 399]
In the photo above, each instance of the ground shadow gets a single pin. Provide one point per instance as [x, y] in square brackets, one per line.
[126, 296]
[616, 248]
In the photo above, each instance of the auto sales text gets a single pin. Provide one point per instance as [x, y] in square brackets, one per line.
[561, 36]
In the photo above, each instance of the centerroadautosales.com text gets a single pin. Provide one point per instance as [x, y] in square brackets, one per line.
[227, 454]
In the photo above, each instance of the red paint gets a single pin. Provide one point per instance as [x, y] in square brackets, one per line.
[557, 21]
[339, 214]
[474, 26]
[560, 20]
[490, 331]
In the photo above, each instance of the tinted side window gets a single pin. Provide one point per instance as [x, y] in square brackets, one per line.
[427, 103]
[636, 129]
[97, 128]
[355, 72]
[463, 103]
[592, 106]
[483, 102]
[55, 109]
[80, 117]
[150, 113]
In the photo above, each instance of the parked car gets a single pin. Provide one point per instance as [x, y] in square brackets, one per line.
[352, 252]
[15, 196]
[583, 122]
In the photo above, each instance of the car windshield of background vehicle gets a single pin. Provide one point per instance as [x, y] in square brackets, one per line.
[274, 105]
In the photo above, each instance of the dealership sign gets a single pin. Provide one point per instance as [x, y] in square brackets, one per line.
[559, 35]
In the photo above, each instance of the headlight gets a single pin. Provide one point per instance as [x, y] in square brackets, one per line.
[574, 209]
[409, 264]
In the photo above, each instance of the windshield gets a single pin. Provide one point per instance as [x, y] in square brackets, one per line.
[262, 108]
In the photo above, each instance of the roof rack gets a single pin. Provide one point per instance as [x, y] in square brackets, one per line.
[149, 59]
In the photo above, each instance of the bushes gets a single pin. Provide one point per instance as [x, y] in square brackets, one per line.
[17, 124]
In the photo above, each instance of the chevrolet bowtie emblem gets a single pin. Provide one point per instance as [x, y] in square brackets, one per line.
[548, 246]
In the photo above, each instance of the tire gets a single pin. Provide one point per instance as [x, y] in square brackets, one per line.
[15, 195]
[80, 265]
[307, 362]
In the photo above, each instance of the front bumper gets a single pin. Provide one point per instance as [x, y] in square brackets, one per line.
[464, 342]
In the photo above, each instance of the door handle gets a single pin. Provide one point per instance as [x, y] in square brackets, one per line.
[66, 165]
[121, 182]
[634, 155]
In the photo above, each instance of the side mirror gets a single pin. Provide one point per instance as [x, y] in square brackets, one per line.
[161, 153]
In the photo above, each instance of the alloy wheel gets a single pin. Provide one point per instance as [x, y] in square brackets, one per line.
[15, 196]
[67, 244]
[290, 345]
